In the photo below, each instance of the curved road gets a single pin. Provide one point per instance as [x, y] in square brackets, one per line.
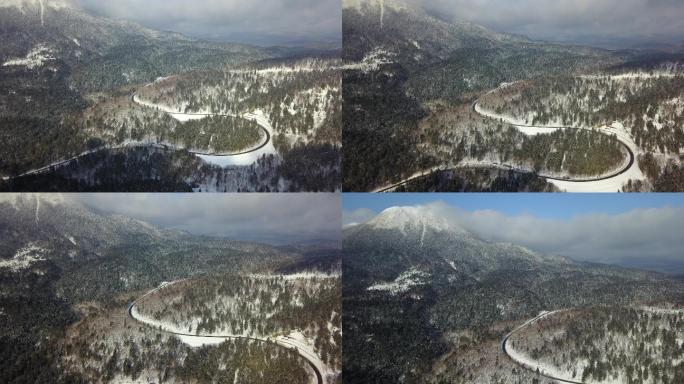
[281, 344]
[578, 180]
[263, 125]
[504, 341]
[136, 99]
[569, 180]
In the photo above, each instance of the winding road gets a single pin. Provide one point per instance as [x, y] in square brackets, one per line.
[266, 131]
[280, 341]
[610, 182]
[261, 121]
[623, 141]
[525, 365]
[243, 157]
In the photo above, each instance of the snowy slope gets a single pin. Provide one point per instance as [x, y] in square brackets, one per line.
[412, 218]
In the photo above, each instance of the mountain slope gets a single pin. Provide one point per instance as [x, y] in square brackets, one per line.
[411, 236]
[56, 60]
[419, 37]
[413, 279]
[68, 272]
[57, 256]
[400, 26]
[88, 254]
[104, 53]
[404, 64]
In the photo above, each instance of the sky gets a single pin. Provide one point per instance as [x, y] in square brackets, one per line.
[267, 218]
[263, 22]
[607, 23]
[632, 230]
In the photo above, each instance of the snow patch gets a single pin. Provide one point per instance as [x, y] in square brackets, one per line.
[408, 279]
[373, 61]
[24, 258]
[34, 59]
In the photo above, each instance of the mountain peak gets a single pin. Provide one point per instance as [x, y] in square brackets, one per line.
[418, 217]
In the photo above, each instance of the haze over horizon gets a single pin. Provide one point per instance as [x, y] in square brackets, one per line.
[603, 23]
[281, 219]
[643, 233]
[266, 23]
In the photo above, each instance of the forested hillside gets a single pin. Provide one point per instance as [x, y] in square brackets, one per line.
[407, 69]
[68, 274]
[413, 79]
[257, 305]
[649, 104]
[428, 302]
[602, 344]
[70, 78]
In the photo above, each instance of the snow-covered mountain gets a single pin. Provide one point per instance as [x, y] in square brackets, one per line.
[65, 28]
[431, 233]
[68, 229]
[418, 33]
[412, 218]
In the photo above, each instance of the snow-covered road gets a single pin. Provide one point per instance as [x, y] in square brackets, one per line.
[417, 175]
[529, 363]
[611, 182]
[293, 340]
[69, 160]
[244, 157]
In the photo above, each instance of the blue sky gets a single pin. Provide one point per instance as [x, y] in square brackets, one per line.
[542, 205]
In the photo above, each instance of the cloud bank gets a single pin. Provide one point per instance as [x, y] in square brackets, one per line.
[265, 22]
[642, 238]
[269, 218]
[356, 217]
[598, 22]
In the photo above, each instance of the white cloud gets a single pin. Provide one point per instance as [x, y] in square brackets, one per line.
[646, 238]
[356, 217]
